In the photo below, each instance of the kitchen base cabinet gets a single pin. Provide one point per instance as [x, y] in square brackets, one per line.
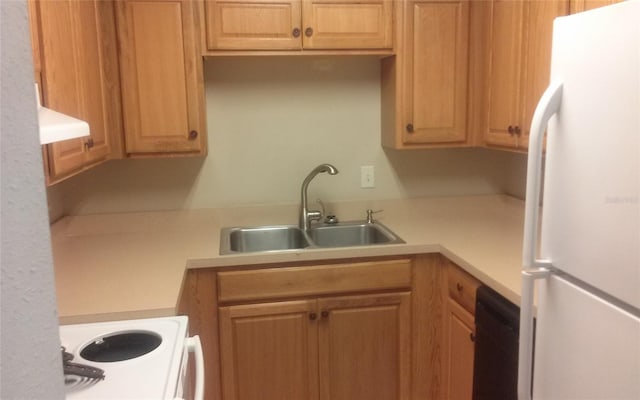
[336, 348]
[331, 332]
[269, 351]
[364, 348]
[459, 334]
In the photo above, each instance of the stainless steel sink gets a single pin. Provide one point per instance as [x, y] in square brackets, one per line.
[291, 237]
[352, 234]
[262, 238]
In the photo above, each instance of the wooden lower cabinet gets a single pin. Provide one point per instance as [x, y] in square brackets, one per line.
[334, 348]
[363, 347]
[459, 350]
[269, 351]
[459, 334]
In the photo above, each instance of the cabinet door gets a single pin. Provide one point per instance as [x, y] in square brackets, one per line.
[436, 70]
[505, 66]
[459, 352]
[364, 347]
[77, 50]
[347, 24]
[253, 25]
[538, 30]
[584, 5]
[269, 351]
[161, 73]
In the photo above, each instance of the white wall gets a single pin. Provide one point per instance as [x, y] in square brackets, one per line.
[30, 363]
[271, 120]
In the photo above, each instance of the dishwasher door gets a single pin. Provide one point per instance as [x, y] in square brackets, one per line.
[495, 372]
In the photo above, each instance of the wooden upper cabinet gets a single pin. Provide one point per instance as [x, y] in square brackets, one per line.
[347, 24]
[425, 86]
[519, 60]
[253, 25]
[162, 82]
[436, 70]
[298, 24]
[584, 5]
[79, 77]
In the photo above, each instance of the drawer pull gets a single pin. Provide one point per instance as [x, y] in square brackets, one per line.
[325, 314]
[313, 316]
[472, 337]
[459, 286]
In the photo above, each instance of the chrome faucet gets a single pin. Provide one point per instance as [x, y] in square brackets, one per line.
[307, 216]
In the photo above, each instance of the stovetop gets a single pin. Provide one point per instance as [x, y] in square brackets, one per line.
[152, 375]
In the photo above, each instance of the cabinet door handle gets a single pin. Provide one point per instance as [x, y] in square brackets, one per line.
[516, 130]
[511, 130]
[193, 135]
[89, 143]
[313, 316]
[325, 314]
[472, 337]
[459, 287]
[410, 128]
[308, 32]
[296, 32]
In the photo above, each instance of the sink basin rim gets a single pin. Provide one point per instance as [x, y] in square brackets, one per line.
[227, 248]
[366, 227]
[227, 242]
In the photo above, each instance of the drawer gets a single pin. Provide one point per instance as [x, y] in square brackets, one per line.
[284, 282]
[462, 287]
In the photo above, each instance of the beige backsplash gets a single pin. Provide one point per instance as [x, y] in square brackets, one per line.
[271, 120]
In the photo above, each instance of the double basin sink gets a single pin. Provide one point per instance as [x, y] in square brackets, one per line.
[291, 237]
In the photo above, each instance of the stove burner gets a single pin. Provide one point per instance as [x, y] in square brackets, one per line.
[121, 346]
[78, 370]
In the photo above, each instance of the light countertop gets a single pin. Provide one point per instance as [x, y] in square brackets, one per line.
[125, 266]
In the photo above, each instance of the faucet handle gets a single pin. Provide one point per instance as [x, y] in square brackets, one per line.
[370, 213]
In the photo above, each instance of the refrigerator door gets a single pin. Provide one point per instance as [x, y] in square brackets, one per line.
[585, 347]
[591, 211]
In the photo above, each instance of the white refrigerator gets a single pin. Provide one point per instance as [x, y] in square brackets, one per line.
[581, 254]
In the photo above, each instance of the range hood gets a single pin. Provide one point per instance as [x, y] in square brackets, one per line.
[55, 126]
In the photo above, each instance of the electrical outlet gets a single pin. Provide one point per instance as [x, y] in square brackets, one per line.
[367, 178]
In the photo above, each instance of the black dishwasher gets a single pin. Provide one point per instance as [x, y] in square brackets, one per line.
[495, 372]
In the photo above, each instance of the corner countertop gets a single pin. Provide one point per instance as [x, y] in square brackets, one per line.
[131, 265]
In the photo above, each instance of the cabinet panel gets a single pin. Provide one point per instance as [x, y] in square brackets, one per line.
[459, 353]
[347, 24]
[539, 35]
[282, 282]
[269, 351]
[253, 25]
[505, 71]
[78, 56]
[161, 77]
[364, 347]
[584, 5]
[437, 60]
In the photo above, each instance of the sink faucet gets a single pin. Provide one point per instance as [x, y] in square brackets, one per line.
[307, 216]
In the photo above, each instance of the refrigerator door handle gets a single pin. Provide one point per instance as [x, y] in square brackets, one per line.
[533, 268]
[525, 344]
[548, 105]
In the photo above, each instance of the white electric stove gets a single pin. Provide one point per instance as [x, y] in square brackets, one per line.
[141, 359]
